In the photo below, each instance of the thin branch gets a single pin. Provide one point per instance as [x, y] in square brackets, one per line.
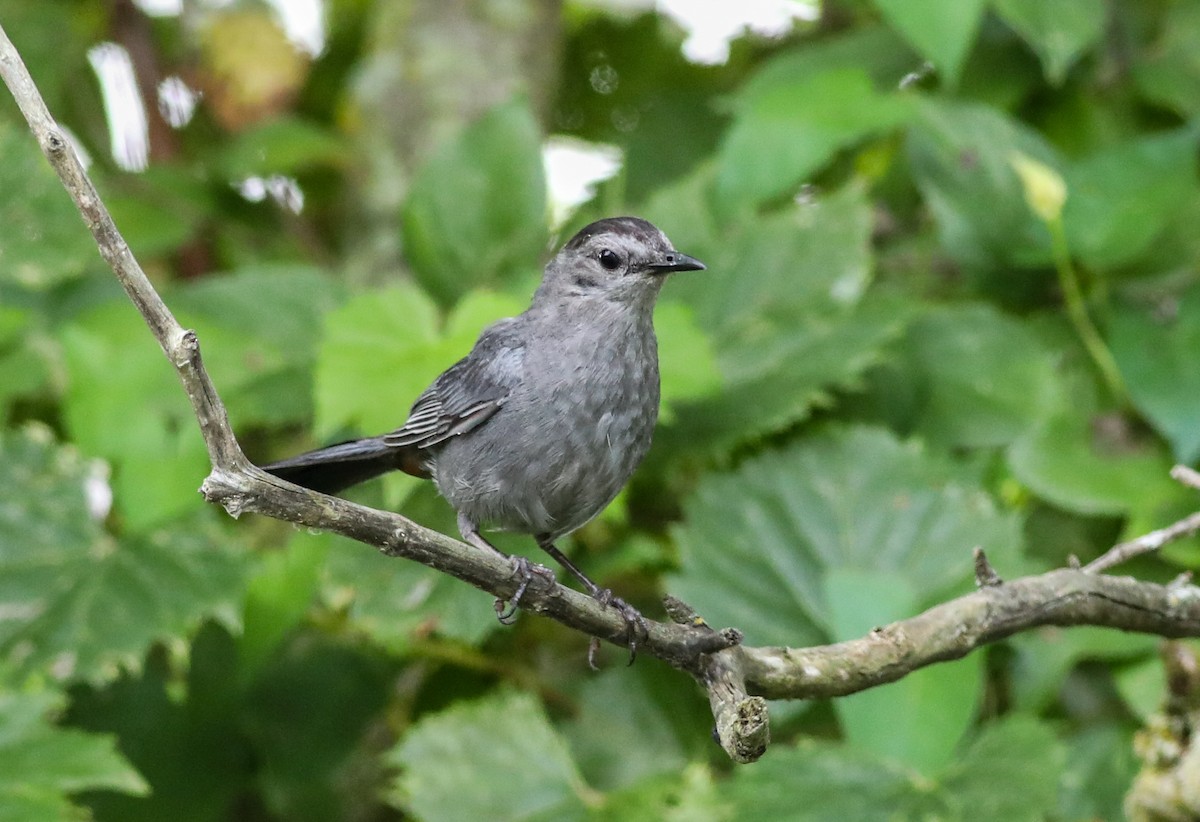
[1151, 542]
[953, 629]
[736, 678]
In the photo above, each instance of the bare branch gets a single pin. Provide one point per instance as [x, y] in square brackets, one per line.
[953, 629]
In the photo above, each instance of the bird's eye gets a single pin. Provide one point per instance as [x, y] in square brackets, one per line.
[609, 259]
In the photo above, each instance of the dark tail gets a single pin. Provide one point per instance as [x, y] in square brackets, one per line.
[336, 467]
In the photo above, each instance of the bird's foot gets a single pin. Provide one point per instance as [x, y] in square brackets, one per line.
[524, 570]
[636, 626]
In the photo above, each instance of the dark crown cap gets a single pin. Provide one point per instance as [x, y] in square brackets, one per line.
[629, 226]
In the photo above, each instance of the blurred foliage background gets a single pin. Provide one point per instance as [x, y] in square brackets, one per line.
[952, 301]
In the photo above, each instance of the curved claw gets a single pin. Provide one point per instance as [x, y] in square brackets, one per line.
[506, 613]
[636, 626]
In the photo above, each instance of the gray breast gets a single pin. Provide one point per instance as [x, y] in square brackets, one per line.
[566, 441]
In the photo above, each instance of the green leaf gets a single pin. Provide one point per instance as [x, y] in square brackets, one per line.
[82, 603]
[284, 145]
[689, 794]
[939, 701]
[1019, 751]
[781, 303]
[476, 212]
[1167, 70]
[310, 716]
[782, 133]
[779, 371]
[1100, 768]
[1059, 32]
[185, 729]
[961, 160]
[259, 327]
[484, 738]
[382, 349]
[279, 593]
[870, 46]
[1078, 465]
[981, 378]
[23, 361]
[758, 544]
[813, 256]
[1156, 355]
[1044, 658]
[43, 241]
[686, 360]
[124, 403]
[41, 765]
[1123, 197]
[820, 781]
[631, 724]
[941, 30]
[396, 601]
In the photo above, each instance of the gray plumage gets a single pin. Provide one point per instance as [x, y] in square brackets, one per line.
[539, 427]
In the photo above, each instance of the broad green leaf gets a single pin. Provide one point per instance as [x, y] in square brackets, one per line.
[813, 256]
[484, 738]
[1076, 463]
[1059, 31]
[396, 601]
[1143, 683]
[207, 737]
[43, 241]
[382, 349]
[686, 360]
[162, 207]
[758, 544]
[821, 781]
[1044, 657]
[779, 372]
[183, 730]
[308, 715]
[476, 212]
[1100, 767]
[631, 724]
[981, 378]
[124, 403]
[259, 328]
[285, 145]
[280, 591]
[870, 47]
[1122, 198]
[1167, 71]
[961, 159]
[1010, 773]
[1156, 355]
[689, 794]
[781, 303]
[939, 701]
[81, 602]
[782, 133]
[24, 366]
[42, 765]
[941, 30]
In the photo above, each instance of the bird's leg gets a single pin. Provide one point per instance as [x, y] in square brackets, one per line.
[522, 567]
[635, 624]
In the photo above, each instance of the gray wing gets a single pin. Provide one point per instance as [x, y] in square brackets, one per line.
[468, 393]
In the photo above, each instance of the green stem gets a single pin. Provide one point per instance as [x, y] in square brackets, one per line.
[1068, 281]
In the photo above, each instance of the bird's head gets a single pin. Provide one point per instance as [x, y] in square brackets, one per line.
[619, 259]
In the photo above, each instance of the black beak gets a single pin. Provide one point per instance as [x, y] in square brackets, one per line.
[675, 261]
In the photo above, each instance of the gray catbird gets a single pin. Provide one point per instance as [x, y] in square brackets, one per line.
[541, 425]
